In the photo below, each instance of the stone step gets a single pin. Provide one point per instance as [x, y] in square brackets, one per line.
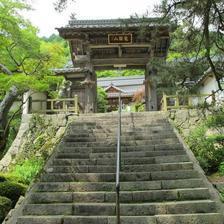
[157, 147]
[113, 142]
[125, 168]
[108, 209]
[124, 155]
[72, 155]
[208, 218]
[125, 196]
[125, 186]
[124, 129]
[146, 121]
[125, 132]
[125, 160]
[128, 137]
[110, 177]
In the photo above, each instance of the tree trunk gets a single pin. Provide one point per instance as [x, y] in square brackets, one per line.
[5, 106]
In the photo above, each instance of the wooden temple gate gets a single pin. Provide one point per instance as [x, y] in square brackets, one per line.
[112, 44]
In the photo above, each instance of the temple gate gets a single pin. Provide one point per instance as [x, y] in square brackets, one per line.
[112, 44]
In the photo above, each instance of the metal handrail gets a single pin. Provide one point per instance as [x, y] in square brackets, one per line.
[118, 167]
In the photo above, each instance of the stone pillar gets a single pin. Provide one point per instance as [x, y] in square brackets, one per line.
[150, 90]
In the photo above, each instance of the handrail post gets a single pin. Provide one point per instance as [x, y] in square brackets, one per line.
[164, 102]
[76, 104]
[118, 167]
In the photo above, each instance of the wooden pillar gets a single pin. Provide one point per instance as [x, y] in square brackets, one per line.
[90, 92]
[150, 90]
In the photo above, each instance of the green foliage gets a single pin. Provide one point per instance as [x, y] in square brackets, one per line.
[216, 121]
[117, 73]
[55, 39]
[221, 169]
[101, 100]
[12, 190]
[209, 150]
[26, 171]
[28, 57]
[5, 207]
[24, 82]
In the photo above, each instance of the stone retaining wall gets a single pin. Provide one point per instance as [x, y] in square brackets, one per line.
[59, 122]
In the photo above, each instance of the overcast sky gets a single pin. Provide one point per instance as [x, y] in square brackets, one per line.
[47, 19]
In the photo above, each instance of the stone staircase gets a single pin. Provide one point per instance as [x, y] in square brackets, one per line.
[159, 182]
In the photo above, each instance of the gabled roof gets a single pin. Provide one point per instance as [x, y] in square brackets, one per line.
[114, 87]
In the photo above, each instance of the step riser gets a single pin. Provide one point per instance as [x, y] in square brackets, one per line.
[124, 161]
[163, 219]
[111, 138]
[98, 177]
[108, 155]
[127, 143]
[64, 155]
[102, 149]
[125, 186]
[111, 169]
[127, 210]
[125, 197]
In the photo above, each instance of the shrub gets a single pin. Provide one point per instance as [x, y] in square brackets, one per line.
[216, 120]
[28, 170]
[208, 150]
[221, 169]
[5, 206]
[12, 190]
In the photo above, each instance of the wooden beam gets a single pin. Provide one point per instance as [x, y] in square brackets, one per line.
[117, 46]
[113, 61]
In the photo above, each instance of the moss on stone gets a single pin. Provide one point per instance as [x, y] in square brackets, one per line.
[5, 206]
[12, 191]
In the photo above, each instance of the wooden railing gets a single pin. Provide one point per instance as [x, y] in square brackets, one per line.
[55, 105]
[170, 102]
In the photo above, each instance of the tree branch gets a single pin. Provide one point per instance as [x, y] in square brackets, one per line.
[5, 70]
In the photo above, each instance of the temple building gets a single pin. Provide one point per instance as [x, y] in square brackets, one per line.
[127, 86]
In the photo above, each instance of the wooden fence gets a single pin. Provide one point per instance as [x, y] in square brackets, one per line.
[50, 106]
[170, 102]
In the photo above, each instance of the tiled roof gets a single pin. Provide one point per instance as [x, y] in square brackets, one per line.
[121, 81]
[68, 70]
[104, 23]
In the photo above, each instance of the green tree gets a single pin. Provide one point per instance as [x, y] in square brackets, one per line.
[101, 100]
[24, 60]
[201, 31]
[116, 73]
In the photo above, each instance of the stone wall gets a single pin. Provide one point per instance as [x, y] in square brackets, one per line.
[58, 123]
[187, 119]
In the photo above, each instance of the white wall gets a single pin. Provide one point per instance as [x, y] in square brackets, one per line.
[208, 85]
[36, 106]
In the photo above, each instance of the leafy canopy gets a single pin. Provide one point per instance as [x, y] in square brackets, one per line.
[29, 58]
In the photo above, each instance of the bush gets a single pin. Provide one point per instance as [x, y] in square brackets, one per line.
[28, 170]
[216, 121]
[209, 150]
[221, 168]
[5, 207]
[12, 191]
